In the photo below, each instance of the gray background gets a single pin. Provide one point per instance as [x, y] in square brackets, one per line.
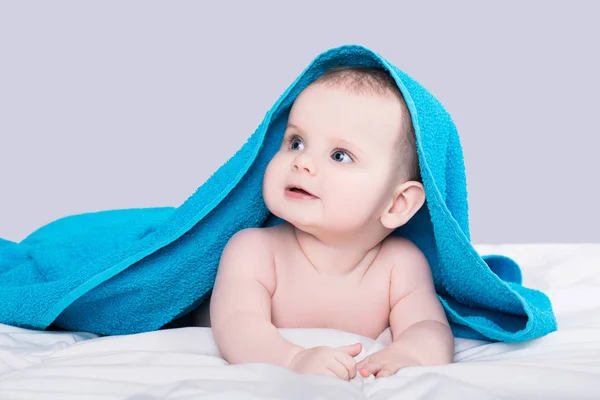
[120, 104]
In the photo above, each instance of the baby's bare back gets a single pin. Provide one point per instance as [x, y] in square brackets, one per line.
[305, 298]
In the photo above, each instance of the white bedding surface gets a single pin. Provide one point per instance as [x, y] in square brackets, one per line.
[185, 364]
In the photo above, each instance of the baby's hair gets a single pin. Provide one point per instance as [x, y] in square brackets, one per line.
[371, 80]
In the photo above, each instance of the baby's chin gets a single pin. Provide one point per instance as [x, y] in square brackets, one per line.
[308, 219]
[303, 225]
[318, 228]
[295, 212]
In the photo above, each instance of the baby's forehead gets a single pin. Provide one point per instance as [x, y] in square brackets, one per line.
[363, 134]
[367, 120]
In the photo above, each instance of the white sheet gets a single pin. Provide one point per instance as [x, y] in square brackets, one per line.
[185, 364]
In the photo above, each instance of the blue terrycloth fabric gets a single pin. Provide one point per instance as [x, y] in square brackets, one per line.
[128, 271]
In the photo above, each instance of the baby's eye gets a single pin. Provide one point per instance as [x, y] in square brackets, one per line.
[294, 141]
[339, 156]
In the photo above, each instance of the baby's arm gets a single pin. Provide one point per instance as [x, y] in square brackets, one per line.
[417, 319]
[240, 308]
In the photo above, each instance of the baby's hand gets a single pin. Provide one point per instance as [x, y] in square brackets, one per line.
[386, 363]
[337, 362]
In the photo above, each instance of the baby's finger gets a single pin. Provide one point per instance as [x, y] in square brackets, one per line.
[352, 349]
[372, 367]
[362, 363]
[348, 363]
[386, 371]
[338, 369]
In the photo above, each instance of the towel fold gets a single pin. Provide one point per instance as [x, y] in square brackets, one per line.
[134, 270]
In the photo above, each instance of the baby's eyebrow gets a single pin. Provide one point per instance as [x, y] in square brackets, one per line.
[290, 125]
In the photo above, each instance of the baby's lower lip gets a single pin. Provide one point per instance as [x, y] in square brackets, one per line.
[299, 195]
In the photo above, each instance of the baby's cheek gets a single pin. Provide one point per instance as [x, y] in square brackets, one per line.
[270, 184]
[359, 198]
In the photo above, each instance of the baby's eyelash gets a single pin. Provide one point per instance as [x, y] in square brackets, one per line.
[290, 138]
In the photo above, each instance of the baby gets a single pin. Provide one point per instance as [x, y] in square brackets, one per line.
[346, 175]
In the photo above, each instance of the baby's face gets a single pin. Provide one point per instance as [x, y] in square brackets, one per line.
[339, 146]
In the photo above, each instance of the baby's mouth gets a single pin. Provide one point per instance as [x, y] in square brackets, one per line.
[298, 193]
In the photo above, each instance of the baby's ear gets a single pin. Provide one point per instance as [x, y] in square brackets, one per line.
[407, 199]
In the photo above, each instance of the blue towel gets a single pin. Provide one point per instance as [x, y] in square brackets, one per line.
[135, 270]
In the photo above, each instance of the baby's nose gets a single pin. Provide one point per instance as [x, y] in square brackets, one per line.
[303, 162]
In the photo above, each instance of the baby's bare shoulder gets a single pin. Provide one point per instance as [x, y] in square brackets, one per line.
[247, 236]
[406, 258]
[249, 255]
[410, 271]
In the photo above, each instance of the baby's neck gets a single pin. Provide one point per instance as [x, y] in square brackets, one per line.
[336, 259]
